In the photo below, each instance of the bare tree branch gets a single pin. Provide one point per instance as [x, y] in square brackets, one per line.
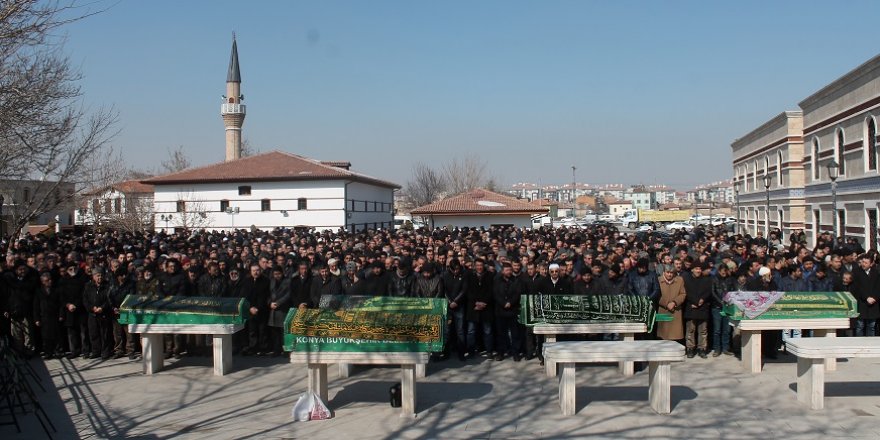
[426, 185]
[177, 161]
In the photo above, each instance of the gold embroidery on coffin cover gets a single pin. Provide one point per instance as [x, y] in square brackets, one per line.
[367, 325]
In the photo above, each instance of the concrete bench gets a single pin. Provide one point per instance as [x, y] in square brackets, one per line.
[626, 330]
[812, 353]
[153, 349]
[658, 354]
[317, 364]
[750, 331]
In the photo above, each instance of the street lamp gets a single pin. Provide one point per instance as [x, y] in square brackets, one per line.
[767, 180]
[736, 204]
[165, 218]
[232, 211]
[833, 174]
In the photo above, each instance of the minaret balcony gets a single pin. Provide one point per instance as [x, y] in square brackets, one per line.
[233, 109]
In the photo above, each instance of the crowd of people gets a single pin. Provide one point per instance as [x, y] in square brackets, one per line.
[60, 294]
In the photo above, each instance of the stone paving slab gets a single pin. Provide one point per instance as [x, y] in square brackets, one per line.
[711, 398]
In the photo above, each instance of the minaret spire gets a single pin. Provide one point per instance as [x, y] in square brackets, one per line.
[233, 75]
[232, 110]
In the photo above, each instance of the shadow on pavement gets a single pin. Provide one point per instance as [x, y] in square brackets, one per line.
[428, 394]
[586, 395]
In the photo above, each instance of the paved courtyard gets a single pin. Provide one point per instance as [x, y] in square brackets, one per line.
[712, 398]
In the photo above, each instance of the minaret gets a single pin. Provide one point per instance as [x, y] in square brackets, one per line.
[232, 110]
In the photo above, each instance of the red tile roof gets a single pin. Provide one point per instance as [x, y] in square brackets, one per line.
[132, 187]
[270, 166]
[479, 201]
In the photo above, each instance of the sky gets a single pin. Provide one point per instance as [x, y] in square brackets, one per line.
[634, 92]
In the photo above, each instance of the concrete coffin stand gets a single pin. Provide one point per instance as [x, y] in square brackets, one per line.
[812, 354]
[626, 330]
[750, 330]
[154, 350]
[409, 362]
[658, 354]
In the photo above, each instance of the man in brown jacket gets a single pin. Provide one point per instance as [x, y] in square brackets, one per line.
[672, 296]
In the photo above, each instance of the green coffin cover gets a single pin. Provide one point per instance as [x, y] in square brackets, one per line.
[145, 309]
[368, 324]
[803, 305]
[578, 309]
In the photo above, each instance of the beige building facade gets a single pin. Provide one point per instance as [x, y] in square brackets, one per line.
[835, 125]
[840, 124]
[775, 149]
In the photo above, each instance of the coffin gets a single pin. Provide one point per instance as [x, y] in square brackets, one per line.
[368, 324]
[144, 309]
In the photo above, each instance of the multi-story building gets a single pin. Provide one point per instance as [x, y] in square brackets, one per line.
[834, 135]
[124, 205]
[840, 126]
[640, 198]
[525, 190]
[35, 202]
[770, 154]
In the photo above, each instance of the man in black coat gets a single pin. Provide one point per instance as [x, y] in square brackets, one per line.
[279, 305]
[123, 342]
[324, 284]
[377, 282]
[173, 283]
[478, 312]
[96, 299]
[866, 290]
[507, 290]
[256, 290]
[17, 307]
[47, 314]
[697, 307]
[76, 319]
[454, 289]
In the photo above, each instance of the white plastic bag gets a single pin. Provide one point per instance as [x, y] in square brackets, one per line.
[303, 407]
[319, 409]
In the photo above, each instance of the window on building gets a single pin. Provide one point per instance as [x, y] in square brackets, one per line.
[817, 217]
[117, 205]
[841, 221]
[244, 190]
[871, 144]
[27, 195]
[224, 205]
[755, 178]
[181, 206]
[302, 204]
[779, 169]
[265, 205]
[814, 160]
[108, 208]
[96, 206]
[779, 216]
[838, 149]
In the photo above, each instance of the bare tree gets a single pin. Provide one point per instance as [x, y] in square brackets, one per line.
[426, 186]
[46, 135]
[177, 161]
[466, 173]
[247, 149]
[194, 214]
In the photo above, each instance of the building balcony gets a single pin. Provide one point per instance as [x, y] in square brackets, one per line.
[233, 109]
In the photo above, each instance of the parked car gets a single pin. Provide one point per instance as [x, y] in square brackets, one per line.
[718, 221]
[645, 227]
[679, 226]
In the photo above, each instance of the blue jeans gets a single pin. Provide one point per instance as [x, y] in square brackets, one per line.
[720, 331]
[866, 327]
[488, 342]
